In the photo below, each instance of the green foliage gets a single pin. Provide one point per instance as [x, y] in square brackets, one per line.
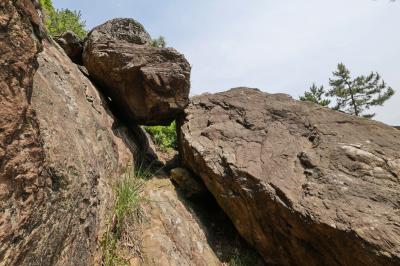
[144, 172]
[354, 96]
[109, 245]
[47, 6]
[316, 95]
[159, 42]
[164, 136]
[249, 259]
[127, 198]
[126, 206]
[59, 21]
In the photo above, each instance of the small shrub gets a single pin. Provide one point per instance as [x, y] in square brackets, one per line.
[159, 42]
[163, 136]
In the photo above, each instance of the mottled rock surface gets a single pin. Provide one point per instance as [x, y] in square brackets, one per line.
[178, 232]
[72, 45]
[303, 184]
[171, 234]
[147, 85]
[60, 150]
[187, 182]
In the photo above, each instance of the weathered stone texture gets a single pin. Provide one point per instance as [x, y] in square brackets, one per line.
[147, 85]
[303, 184]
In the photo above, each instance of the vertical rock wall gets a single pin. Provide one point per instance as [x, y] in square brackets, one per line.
[60, 150]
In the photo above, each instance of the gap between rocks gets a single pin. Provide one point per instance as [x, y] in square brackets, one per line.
[198, 206]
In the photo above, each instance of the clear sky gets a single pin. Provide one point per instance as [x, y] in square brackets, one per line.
[273, 45]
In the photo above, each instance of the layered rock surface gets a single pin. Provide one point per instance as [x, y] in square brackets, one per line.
[178, 231]
[303, 184]
[147, 85]
[60, 150]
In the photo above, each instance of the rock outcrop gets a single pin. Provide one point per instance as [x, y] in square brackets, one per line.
[171, 234]
[147, 85]
[60, 150]
[72, 45]
[303, 184]
[177, 231]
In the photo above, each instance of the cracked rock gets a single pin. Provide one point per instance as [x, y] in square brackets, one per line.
[334, 201]
[147, 85]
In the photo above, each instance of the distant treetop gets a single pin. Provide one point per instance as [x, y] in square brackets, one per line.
[59, 21]
[159, 42]
[351, 95]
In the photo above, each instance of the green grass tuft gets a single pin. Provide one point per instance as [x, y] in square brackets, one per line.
[127, 198]
[126, 210]
[144, 172]
[249, 259]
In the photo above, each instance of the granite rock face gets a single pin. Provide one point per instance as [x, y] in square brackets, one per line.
[176, 231]
[303, 184]
[147, 85]
[60, 150]
[171, 233]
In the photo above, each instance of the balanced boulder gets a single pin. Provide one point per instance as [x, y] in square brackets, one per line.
[303, 184]
[146, 84]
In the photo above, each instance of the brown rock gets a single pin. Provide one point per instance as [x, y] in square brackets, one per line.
[178, 231]
[187, 182]
[171, 234]
[72, 45]
[303, 184]
[147, 85]
[60, 150]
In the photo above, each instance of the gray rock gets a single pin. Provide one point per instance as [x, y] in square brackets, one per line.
[303, 184]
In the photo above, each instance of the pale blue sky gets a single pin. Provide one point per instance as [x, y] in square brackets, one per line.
[273, 45]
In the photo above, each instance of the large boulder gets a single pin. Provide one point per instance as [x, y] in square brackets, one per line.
[72, 45]
[147, 85]
[60, 150]
[303, 184]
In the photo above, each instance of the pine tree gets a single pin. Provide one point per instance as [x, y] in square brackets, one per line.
[316, 95]
[355, 96]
